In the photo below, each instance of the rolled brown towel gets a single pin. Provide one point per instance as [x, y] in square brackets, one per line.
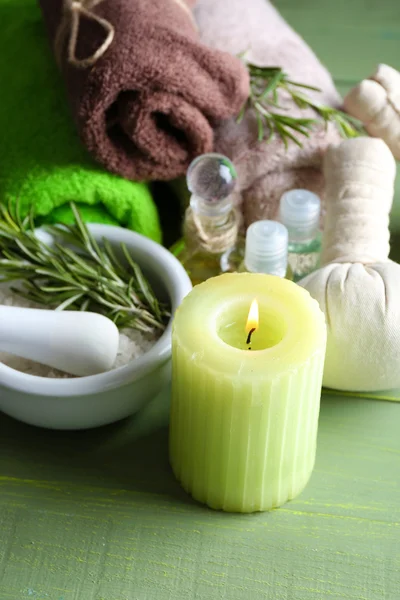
[267, 170]
[143, 90]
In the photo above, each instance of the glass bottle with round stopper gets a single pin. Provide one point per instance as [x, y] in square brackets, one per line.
[210, 226]
[267, 249]
[300, 212]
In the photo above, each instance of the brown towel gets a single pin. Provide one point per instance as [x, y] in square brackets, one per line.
[267, 170]
[145, 104]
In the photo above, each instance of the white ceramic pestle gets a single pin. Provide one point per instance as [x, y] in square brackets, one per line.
[78, 343]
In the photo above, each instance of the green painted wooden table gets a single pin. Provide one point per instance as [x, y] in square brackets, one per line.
[98, 516]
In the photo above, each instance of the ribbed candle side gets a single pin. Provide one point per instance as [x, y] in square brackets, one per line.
[241, 444]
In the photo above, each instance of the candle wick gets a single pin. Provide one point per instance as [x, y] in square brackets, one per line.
[248, 341]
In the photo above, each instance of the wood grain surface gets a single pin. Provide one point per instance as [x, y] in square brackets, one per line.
[98, 516]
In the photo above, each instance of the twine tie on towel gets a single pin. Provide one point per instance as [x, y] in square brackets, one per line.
[206, 237]
[73, 10]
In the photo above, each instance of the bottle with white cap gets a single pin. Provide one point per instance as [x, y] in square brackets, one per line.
[267, 249]
[300, 212]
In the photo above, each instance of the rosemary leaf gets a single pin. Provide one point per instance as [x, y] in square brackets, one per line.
[303, 85]
[54, 289]
[141, 282]
[6, 215]
[80, 230]
[17, 215]
[113, 259]
[287, 134]
[76, 272]
[266, 84]
[71, 300]
[75, 260]
[85, 305]
[272, 84]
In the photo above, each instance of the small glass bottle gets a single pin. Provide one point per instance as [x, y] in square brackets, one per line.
[300, 212]
[211, 226]
[267, 249]
[233, 258]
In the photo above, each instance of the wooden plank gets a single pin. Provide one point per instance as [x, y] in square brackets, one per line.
[97, 516]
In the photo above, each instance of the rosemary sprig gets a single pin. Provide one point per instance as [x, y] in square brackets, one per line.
[265, 85]
[76, 272]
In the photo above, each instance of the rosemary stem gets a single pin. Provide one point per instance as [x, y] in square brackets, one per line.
[266, 87]
[76, 272]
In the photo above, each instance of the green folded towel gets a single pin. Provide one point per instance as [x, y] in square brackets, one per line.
[42, 161]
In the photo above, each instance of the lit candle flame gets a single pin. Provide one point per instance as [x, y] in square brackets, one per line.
[252, 319]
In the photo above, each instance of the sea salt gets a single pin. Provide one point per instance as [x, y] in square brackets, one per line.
[132, 344]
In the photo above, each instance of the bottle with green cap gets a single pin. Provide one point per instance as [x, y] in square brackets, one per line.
[266, 249]
[300, 212]
[210, 227]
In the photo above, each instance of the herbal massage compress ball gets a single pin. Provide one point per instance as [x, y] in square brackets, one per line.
[358, 287]
[376, 103]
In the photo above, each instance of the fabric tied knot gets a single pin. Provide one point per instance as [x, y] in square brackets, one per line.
[202, 234]
[73, 11]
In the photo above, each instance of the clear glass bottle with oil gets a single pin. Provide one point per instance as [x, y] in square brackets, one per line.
[266, 249]
[300, 212]
[211, 226]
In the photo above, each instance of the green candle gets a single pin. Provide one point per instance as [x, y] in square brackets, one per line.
[246, 391]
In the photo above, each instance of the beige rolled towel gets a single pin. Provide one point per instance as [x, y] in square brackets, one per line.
[267, 170]
[376, 103]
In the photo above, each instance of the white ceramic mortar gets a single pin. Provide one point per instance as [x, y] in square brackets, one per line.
[86, 402]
